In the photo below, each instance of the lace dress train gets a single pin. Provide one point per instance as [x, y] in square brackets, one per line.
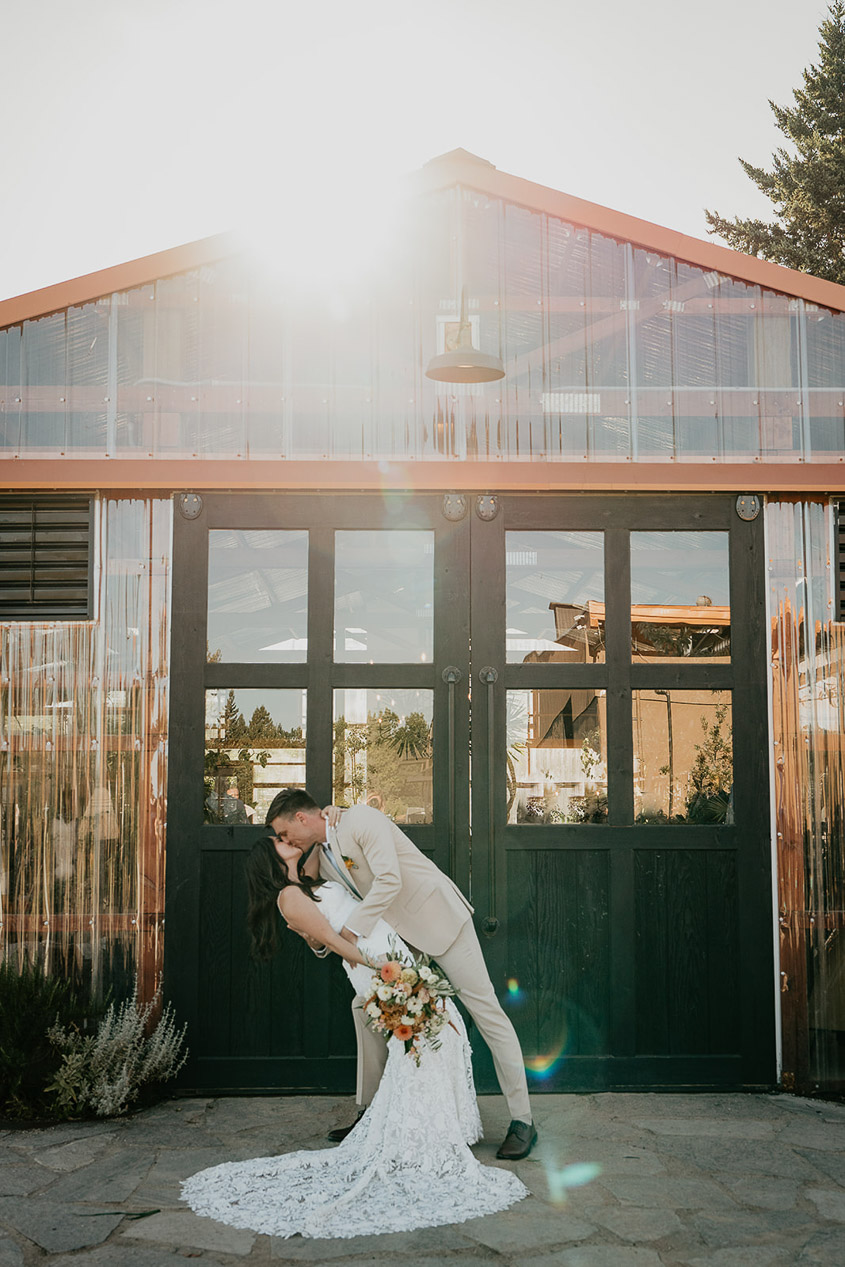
[407, 1163]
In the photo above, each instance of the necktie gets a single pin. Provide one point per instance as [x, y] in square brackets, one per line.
[344, 879]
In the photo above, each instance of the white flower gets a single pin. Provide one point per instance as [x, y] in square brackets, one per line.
[415, 1006]
[385, 993]
[426, 973]
[373, 1010]
[407, 1020]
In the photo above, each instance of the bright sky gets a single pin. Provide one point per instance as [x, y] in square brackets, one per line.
[134, 125]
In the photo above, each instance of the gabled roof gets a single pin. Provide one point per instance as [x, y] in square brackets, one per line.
[458, 167]
[461, 167]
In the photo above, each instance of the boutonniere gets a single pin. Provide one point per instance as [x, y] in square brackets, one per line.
[350, 865]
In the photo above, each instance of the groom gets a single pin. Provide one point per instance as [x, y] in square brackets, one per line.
[370, 855]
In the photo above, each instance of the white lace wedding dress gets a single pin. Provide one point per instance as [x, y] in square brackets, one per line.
[405, 1165]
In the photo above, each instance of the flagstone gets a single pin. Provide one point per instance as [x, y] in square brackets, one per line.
[398, 1247]
[57, 1227]
[184, 1228]
[11, 1254]
[110, 1179]
[640, 1224]
[830, 1204]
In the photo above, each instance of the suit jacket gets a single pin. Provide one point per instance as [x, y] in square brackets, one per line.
[396, 881]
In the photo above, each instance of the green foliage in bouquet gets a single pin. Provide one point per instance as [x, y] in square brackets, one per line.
[106, 1072]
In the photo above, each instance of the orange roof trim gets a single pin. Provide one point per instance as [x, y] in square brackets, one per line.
[456, 168]
[140, 272]
[461, 167]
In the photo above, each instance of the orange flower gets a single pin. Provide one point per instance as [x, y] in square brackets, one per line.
[403, 1033]
[391, 971]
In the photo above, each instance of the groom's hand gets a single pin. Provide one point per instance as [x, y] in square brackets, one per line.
[319, 949]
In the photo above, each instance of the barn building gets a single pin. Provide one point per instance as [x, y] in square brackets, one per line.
[526, 533]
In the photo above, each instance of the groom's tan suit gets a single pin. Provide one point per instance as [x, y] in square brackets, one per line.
[400, 885]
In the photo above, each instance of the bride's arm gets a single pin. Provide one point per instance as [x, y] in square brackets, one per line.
[305, 918]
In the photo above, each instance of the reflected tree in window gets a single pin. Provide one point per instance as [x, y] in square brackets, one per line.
[683, 756]
[235, 751]
[711, 774]
[385, 762]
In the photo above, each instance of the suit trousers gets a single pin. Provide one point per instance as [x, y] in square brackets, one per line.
[464, 965]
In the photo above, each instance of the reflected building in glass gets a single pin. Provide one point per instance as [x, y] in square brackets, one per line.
[576, 631]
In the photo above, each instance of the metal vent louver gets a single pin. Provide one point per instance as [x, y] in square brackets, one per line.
[45, 558]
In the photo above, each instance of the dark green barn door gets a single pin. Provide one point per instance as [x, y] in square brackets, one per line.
[321, 639]
[620, 808]
[603, 661]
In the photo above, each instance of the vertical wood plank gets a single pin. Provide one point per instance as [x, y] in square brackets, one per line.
[723, 976]
[685, 951]
[215, 955]
[652, 1020]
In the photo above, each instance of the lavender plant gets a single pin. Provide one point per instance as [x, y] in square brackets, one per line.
[104, 1073]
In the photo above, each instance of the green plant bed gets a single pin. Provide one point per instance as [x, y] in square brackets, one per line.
[64, 1058]
[30, 1003]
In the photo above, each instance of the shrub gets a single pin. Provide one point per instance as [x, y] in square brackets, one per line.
[30, 1002]
[104, 1073]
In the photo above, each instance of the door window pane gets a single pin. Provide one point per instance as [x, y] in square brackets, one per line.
[383, 751]
[557, 756]
[254, 746]
[555, 597]
[683, 756]
[680, 596]
[257, 596]
[384, 596]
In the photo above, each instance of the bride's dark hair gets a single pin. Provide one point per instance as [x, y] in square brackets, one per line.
[266, 875]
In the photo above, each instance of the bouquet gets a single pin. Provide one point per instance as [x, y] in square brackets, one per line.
[407, 1002]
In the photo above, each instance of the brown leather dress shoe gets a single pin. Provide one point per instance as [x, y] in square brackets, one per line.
[341, 1132]
[520, 1139]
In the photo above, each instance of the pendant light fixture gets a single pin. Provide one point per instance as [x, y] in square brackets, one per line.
[465, 364]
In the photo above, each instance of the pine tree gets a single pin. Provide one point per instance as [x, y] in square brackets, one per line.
[234, 726]
[807, 186]
[262, 728]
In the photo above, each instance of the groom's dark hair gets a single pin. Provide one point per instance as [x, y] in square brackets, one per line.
[289, 802]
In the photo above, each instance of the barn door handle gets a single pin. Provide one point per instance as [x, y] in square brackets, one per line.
[452, 675]
[489, 676]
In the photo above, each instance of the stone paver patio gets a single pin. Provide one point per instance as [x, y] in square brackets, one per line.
[619, 1180]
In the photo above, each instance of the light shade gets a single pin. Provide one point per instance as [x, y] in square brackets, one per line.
[465, 367]
[465, 364]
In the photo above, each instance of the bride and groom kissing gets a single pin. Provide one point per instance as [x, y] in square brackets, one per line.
[356, 885]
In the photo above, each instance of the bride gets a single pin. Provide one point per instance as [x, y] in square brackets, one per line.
[407, 1163]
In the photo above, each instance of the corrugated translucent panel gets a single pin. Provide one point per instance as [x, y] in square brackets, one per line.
[83, 758]
[808, 692]
[611, 352]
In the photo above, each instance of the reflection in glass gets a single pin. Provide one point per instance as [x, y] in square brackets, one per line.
[83, 768]
[383, 751]
[555, 597]
[557, 756]
[683, 756]
[680, 596]
[254, 746]
[808, 709]
[257, 596]
[384, 595]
